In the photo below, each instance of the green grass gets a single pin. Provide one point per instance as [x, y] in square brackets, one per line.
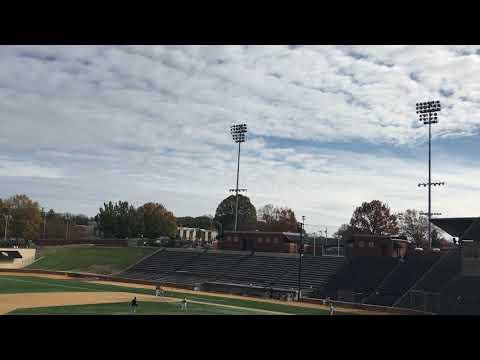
[144, 308]
[90, 259]
[31, 284]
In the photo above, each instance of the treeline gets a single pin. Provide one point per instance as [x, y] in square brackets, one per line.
[266, 218]
[122, 220]
[375, 217]
[24, 219]
[205, 222]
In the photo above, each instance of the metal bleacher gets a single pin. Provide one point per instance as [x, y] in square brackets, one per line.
[194, 267]
[402, 278]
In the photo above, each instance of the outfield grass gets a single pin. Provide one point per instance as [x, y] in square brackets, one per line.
[32, 284]
[144, 308]
[90, 259]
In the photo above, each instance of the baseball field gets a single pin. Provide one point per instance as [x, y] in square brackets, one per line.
[41, 294]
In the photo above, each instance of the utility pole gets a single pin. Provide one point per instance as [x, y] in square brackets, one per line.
[428, 115]
[44, 222]
[314, 244]
[67, 219]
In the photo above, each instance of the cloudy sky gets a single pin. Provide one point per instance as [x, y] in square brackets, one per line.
[329, 126]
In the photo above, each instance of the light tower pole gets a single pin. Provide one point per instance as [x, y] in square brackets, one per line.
[67, 221]
[44, 215]
[238, 132]
[300, 257]
[428, 115]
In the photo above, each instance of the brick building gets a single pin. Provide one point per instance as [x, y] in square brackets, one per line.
[377, 245]
[281, 242]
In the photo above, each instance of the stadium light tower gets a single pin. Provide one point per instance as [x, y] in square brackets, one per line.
[238, 132]
[300, 227]
[428, 115]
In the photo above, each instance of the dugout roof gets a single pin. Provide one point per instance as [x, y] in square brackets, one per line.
[9, 255]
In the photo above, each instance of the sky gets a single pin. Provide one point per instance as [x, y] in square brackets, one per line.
[328, 127]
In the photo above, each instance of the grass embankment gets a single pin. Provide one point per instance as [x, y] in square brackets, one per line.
[89, 259]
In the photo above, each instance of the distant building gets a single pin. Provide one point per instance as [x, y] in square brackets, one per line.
[196, 234]
[262, 241]
[377, 245]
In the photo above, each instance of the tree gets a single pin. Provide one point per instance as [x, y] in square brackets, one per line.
[374, 218]
[247, 215]
[199, 222]
[343, 231]
[158, 220]
[25, 217]
[414, 226]
[272, 218]
[438, 241]
[80, 219]
[106, 219]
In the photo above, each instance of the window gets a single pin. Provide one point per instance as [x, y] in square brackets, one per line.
[267, 240]
[229, 238]
[370, 244]
[361, 244]
[260, 240]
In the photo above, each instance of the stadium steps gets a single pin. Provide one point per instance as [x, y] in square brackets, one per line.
[433, 280]
[402, 277]
[139, 261]
[160, 264]
[361, 275]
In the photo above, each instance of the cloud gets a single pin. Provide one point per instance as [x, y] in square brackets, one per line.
[151, 123]
[16, 169]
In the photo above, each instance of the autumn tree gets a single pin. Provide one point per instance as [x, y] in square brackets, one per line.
[374, 217]
[247, 214]
[437, 239]
[344, 231]
[414, 226]
[25, 218]
[199, 222]
[272, 218]
[158, 221]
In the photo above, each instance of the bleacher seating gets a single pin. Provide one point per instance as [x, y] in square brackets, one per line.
[161, 263]
[402, 278]
[316, 271]
[260, 270]
[462, 296]
[361, 275]
[211, 265]
[440, 274]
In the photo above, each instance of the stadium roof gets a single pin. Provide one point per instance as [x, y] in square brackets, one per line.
[463, 228]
